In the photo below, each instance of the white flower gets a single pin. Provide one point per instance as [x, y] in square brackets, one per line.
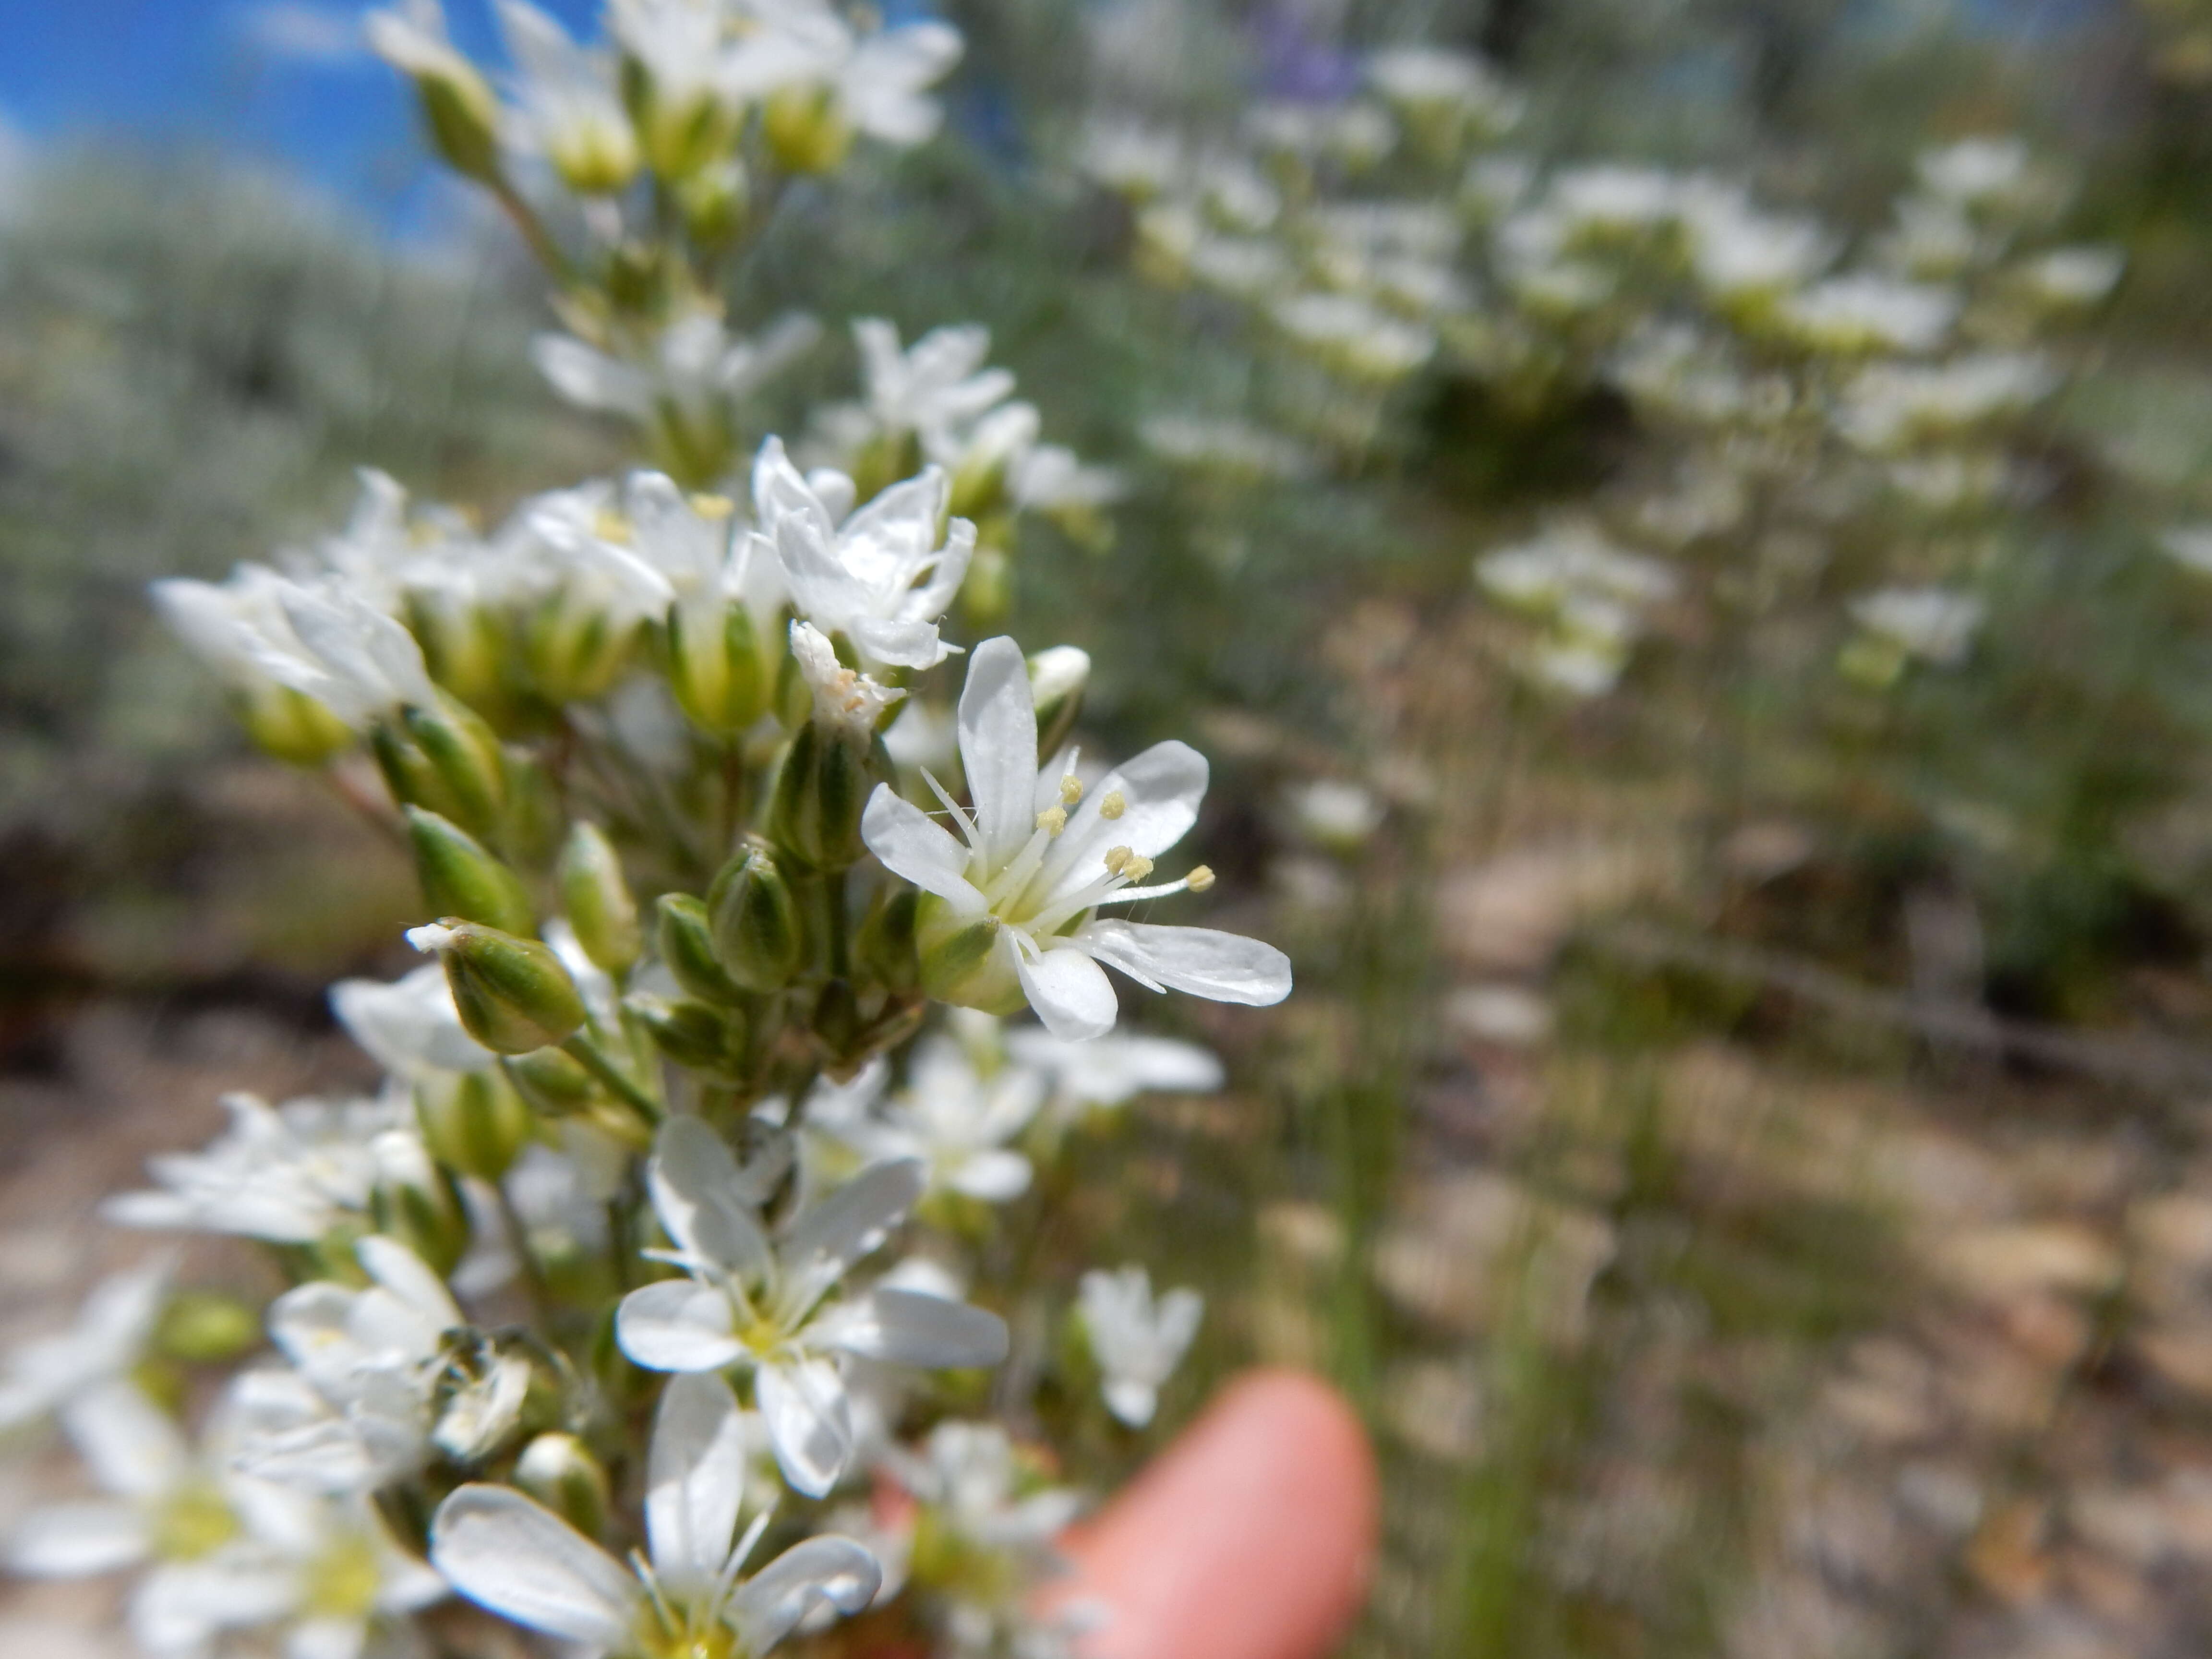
[289, 1174]
[753, 1301]
[1571, 560]
[1614, 198]
[1865, 312]
[1137, 1342]
[1355, 334]
[319, 1575]
[879, 82]
[370, 1361]
[1038, 854]
[1052, 478]
[843, 699]
[1226, 446]
[1335, 812]
[2073, 276]
[1134, 159]
[569, 110]
[682, 45]
[412, 39]
[683, 1597]
[1737, 251]
[2189, 546]
[322, 639]
[881, 578]
[1890, 406]
[694, 365]
[110, 1335]
[936, 385]
[994, 1542]
[1420, 77]
[955, 1122]
[1932, 624]
[409, 1027]
[1977, 172]
[1112, 1071]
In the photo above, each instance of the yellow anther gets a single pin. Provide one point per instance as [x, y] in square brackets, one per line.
[1199, 878]
[707, 506]
[1112, 806]
[610, 525]
[1136, 868]
[1117, 861]
[1052, 820]
[1071, 790]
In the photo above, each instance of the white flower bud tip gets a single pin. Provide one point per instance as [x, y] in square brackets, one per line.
[433, 937]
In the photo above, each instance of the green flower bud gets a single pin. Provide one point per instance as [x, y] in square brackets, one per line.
[805, 132]
[292, 727]
[825, 781]
[687, 949]
[988, 593]
[757, 933]
[461, 878]
[206, 1327]
[696, 1035]
[715, 668]
[1058, 679]
[574, 651]
[465, 754]
[476, 1124]
[513, 993]
[887, 945]
[960, 961]
[596, 899]
[553, 1083]
[462, 114]
[560, 1472]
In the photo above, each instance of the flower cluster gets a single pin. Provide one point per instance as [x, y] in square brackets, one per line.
[1800, 398]
[654, 1300]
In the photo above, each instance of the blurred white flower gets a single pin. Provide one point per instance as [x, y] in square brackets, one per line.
[567, 106]
[1890, 406]
[2189, 546]
[409, 1027]
[287, 1174]
[1931, 624]
[104, 1346]
[694, 365]
[1864, 312]
[1138, 1342]
[955, 1122]
[1113, 1070]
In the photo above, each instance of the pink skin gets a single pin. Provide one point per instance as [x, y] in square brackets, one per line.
[1250, 1537]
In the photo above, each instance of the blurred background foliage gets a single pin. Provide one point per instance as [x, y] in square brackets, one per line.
[1741, 1138]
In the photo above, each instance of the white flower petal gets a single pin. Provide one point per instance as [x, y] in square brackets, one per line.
[1133, 1401]
[998, 746]
[76, 1540]
[131, 1445]
[1159, 791]
[525, 1563]
[677, 1325]
[412, 1281]
[332, 1638]
[1202, 961]
[810, 1422]
[915, 847]
[993, 1176]
[1071, 994]
[907, 1328]
[695, 1479]
[696, 1191]
[836, 1571]
[590, 379]
[829, 1237]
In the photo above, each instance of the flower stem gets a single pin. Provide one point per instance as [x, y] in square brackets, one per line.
[588, 1055]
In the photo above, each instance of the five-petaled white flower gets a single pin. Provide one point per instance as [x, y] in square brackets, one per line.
[1137, 1341]
[879, 82]
[761, 1302]
[1011, 899]
[683, 1597]
[110, 1335]
[1111, 1071]
[287, 1174]
[956, 1122]
[934, 386]
[357, 1413]
[881, 577]
[567, 106]
[695, 366]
